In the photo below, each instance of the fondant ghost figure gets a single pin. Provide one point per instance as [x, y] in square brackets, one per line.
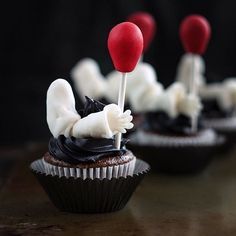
[63, 119]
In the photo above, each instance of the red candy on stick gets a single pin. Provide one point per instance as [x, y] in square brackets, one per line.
[125, 44]
[195, 33]
[147, 25]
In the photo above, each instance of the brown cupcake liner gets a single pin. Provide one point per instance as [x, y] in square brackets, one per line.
[90, 195]
[178, 159]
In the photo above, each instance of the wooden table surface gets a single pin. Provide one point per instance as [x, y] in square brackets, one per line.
[202, 204]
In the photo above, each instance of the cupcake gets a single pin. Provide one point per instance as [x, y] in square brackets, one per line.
[218, 99]
[82, 154]
[219, 108]
[167, 139]
[86, 170]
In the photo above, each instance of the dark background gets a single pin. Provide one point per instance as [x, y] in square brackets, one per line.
[42, 40]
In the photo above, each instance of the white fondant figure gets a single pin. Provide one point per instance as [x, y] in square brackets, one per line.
[224, 92]
[185, 73]
[63, 119]
[144, 92]
[140, 83]
[88, 79]
[230, 87]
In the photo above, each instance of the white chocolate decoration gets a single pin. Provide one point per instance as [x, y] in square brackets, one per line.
[143, 87]
[144, 92]
[190, 105]
[230, 85]
[217, 91]
[223, 92]
[148, 95]
[63, 119]
[88, 79]
[185, 73]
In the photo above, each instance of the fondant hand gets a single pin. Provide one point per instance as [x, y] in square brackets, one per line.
[190, 105]
[118, 122]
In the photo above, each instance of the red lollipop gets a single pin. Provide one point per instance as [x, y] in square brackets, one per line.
[125, 44]
[195, 33]
[147, 25]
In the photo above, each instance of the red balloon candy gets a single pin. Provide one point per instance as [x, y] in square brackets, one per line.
[195, 32]
[147, 25]
[125, 44]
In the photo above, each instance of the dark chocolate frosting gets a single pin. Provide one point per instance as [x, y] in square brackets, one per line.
[211, 109]
[91, 106]
[81, 150]
[161, 122]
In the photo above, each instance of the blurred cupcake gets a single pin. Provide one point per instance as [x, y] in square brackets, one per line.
[219, 101]
[82, 154]
[167, 139]
[218, 98]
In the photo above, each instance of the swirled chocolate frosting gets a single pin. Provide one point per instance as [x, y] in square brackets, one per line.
[160, 122]
[81, 150]
[91, 106]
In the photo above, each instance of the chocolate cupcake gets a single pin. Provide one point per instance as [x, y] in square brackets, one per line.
[88, 158]
[219, 109]
[82, 154]
[167, 139]
[218, 98]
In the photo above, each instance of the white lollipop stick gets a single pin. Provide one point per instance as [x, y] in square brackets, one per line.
[121, 103]
[125, 44]
[193, 90]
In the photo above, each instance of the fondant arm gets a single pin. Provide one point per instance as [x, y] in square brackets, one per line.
[104, 124]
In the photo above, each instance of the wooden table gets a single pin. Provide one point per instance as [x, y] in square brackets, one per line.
[203, 204]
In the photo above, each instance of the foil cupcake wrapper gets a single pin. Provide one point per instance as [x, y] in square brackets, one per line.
[225, 127]
[207, 137]
[109, 172]
[90, 195]
[178, 159]
[221, 124]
